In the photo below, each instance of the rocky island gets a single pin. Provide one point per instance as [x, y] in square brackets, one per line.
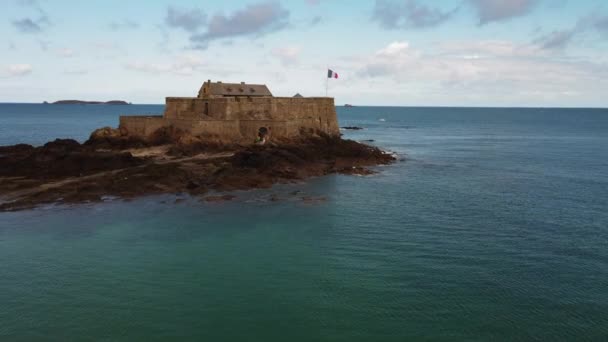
[229, 137]
[79, 102]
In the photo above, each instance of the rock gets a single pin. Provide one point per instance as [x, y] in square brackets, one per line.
[80, 102]
[113, 139]
[352, 128]
[222, 198]
[66, 171]
[105, 132]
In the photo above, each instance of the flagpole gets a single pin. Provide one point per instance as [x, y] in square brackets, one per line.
[326, 81]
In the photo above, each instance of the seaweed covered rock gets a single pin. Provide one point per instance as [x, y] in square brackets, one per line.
[60, 158]
[112, 139]
[68, 172]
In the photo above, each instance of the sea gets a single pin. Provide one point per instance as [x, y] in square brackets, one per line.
[492, 226]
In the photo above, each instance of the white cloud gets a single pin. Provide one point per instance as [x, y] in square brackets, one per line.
[18, 70]
[124, 24]
[288, 55]
[482, 69]
[66, 53]
[106, 49]
[184, 65]
[394, 49]
[76, 72]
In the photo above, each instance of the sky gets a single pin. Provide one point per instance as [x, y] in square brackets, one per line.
[540, 53]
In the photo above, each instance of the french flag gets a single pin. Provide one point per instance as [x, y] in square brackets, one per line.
[331, 74]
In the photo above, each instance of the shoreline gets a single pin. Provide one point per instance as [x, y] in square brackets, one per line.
[168, 162]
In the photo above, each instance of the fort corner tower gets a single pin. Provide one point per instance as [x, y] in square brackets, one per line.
[235, 112]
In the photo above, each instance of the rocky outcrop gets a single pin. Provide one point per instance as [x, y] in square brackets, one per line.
[79, 102]
[169, 161]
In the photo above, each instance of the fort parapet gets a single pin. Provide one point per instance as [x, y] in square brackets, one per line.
[237, 112]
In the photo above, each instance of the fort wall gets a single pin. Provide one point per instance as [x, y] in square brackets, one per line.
[141, 125]
[238, 119]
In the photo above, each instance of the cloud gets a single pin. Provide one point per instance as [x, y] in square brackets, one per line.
[602, 23]
[125, 24]
[27, 25]
[560, 39]
[388, 60]
[184, 65]
[499, 10]
[253, 20]
[31, 24]
[66, 53]
[187, 19]
[44, 45]
[288, 55]
[408, 14]
[15, 70]
[316, 20]
[557, 39]
[28, 2]
[76, 72]
[599, 23]
[480, 69]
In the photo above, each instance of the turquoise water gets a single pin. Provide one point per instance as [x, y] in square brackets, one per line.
[493, 228]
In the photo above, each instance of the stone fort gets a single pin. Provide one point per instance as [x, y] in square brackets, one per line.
[238, 112]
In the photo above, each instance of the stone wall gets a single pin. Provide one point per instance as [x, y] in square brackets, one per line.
[238, 119]
[141, 125]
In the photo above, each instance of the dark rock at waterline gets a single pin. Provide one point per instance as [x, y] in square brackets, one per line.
[60, 158]
[64, 171]
[352, 128]
[220, 198]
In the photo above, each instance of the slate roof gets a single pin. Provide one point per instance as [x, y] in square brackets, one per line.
[233, 89]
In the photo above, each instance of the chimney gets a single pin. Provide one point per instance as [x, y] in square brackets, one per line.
[242, 82]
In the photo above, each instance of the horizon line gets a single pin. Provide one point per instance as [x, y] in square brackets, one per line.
[363, 105]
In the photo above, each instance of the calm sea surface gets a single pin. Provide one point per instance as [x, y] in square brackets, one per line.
[495, 227]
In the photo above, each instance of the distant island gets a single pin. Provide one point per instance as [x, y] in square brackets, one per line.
[79, 102]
